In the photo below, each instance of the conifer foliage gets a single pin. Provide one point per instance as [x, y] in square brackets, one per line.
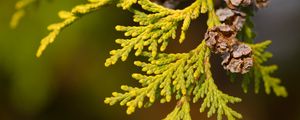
[183, 77]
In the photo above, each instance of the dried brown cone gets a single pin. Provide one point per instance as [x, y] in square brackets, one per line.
[238, 60]
[233, 18]
[220, 39]
[261, 3]
[233, 4]
[236, 55]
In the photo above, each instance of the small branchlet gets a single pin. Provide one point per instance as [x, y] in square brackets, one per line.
[181, 111]
[261, 72]
[214, 99]
[20, 7]
[69, 17]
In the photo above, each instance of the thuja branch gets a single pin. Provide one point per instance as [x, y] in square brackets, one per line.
[184, 77]
[167, 75]
[154, 29]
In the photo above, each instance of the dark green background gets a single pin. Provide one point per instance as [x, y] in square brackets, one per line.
[70, 82]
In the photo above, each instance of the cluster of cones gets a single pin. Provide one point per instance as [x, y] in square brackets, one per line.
[222, 39]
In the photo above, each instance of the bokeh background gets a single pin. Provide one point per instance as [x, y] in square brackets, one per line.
[70, 82]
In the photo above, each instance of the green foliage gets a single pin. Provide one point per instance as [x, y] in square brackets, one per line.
[181, 111]
[261, 72]
[214, 99]
[167, 74]
[184, 77]
[156, 29]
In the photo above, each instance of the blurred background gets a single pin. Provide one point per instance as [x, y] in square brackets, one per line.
[70, 82]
